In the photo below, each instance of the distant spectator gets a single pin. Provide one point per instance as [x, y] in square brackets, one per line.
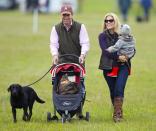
[28, 4]
[146, 5]
[124, 6]
[35, 3]
[31, 4]
[44, 6]
[47, 5]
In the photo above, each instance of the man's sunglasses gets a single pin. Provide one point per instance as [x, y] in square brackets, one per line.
[66, 14]
[111, 20]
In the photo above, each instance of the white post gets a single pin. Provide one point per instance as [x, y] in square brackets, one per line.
[22, 5]
[35, 20]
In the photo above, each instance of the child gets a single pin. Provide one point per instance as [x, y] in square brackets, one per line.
[124, 46]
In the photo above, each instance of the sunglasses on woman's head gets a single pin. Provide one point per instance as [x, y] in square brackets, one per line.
[111, 20]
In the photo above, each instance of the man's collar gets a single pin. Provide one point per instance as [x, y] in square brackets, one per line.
[68, 27]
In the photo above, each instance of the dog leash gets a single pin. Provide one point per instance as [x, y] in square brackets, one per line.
[41, 77]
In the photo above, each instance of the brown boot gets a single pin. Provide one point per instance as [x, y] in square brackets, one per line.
[117, 116]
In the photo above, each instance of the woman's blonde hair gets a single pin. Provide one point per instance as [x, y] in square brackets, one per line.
[116, 20]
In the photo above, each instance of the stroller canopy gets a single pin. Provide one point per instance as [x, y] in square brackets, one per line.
[68, 67]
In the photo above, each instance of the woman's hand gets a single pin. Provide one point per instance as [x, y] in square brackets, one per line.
[123, 58]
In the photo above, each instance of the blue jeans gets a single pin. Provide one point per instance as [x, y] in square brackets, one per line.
[146, 13]
[117, 84]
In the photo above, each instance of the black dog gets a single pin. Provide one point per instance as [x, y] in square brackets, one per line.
[23, 97]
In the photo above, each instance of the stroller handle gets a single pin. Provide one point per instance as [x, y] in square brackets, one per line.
[73, 55]
[69, 55]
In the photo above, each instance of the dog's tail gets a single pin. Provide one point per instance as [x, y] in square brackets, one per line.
[39, 100]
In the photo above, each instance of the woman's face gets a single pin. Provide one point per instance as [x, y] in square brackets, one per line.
[109, 23]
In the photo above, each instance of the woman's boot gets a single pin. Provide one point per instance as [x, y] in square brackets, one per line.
[117, 116]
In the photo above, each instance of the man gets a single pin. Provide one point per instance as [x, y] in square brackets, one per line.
[69, 37]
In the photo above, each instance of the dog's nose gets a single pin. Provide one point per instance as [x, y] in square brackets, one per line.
[14, 93]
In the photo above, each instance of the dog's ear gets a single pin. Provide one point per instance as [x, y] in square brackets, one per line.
[9, 88]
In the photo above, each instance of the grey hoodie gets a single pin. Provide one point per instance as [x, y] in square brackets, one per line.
[126, 43]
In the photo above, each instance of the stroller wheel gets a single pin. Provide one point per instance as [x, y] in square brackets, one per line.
[68, 117]
[87, 116]
[63, 119]
[81, 117]
[48, 116]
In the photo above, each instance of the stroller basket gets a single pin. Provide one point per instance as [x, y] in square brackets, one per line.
[67, 102]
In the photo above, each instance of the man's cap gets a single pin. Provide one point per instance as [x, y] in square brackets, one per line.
[66, 9]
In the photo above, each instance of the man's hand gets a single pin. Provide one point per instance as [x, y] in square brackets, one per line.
[82, 59]
[55, 59]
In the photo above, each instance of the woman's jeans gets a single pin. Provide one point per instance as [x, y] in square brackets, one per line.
[117, 84]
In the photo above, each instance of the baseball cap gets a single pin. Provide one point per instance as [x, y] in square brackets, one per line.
[66, 9]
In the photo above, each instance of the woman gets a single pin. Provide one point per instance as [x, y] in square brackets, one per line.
[116, 85]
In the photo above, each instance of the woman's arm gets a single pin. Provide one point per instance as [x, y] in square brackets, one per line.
[103, 46]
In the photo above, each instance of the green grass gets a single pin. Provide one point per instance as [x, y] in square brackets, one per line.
[25, 57]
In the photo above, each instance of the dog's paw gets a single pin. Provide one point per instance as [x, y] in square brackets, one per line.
[55, 118]
[15, 121]
[29, 117]
[24, 118]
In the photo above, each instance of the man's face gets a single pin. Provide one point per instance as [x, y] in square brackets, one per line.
[66, 19]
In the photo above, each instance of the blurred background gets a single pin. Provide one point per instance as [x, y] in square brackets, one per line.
[138, 10]
[53, 6]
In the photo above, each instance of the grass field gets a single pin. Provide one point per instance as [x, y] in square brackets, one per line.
[25, 57]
